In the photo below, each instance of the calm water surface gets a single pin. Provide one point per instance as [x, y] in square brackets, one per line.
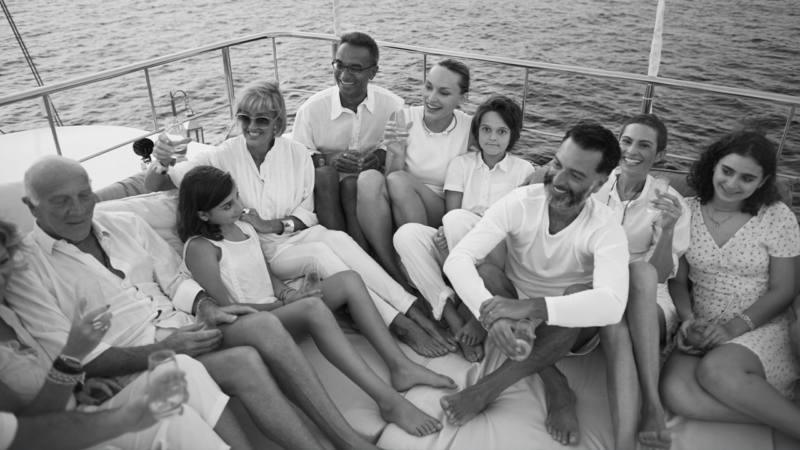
[746, 44]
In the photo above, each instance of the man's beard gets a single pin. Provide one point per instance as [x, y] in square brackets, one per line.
[568, 199]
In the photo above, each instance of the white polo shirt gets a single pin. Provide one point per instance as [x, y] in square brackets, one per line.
[482, 186]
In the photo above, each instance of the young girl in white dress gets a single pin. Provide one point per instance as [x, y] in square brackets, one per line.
[736, 363]
[223, 254]
[473, 183]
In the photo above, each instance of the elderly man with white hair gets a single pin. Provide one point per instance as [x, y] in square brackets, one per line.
[138, 275]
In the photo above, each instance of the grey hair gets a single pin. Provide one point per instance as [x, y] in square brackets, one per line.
[32, 181]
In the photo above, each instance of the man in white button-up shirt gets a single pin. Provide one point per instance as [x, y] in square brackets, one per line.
[566, 268]
[343, 128]
[117, 259]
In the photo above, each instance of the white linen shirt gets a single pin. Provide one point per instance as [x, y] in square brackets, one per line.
[592, 250]
[324, 126]
[428, 155]
[46, 294]
[283, 186]
[641, 226]
[482, 186]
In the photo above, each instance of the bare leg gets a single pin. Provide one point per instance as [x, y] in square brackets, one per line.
[348, 288]
[254, 385]
[562, 419]
[375, 216]
[647, 326]
[294, 374]
[413, 202]
[621, 376]
[348, 190]
[312, 316]
[230, 431]
[735, 376]
[326, 199]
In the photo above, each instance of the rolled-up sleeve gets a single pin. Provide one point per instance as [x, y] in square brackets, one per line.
[460, 265]
[166, 269]
[605, 303]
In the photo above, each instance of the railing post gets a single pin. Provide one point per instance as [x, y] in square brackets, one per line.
[275, 60]
[51, 121]
[334, 47]
[785, 132]
[226, 67]
[525, 94]
[647, 100]
[424, 68]
[152, 102]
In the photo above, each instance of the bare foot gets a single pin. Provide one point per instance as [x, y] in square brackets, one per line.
[441, 336]
[411, 374]
[472, 353]
[463, 406]
[415, 337]
[653, 432]
[405, 415]
[472, 333]
[562, 420]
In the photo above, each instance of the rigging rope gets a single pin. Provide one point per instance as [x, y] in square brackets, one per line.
[28, 57]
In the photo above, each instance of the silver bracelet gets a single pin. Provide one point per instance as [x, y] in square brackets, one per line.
[62, 379]
[746, 319]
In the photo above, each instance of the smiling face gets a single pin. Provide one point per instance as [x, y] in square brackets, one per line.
[736, 178]
[441, 94]
[350, 85]
[572, 176]
[493, 134]
[257, 135]
[639, 149]
[66, 206]
[227, 212]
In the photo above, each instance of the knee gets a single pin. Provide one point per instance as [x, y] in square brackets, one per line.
[370, 183]
[348, 186]
[489, 273]
[320, 250]
[407, 234]
[642, 274]
[326, 177]
[676, 395]
[714, 374]
[454, 218]
[315, 309]
[397, 183]
[575, 288]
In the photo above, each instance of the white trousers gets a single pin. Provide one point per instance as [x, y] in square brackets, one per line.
[330, 252]
[192, 430]
[423, 261]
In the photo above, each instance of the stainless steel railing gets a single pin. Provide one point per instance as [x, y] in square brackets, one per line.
[44, 92]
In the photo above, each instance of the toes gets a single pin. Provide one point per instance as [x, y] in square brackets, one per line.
[574, 437]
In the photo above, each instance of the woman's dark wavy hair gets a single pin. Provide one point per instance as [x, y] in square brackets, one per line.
[508, 110]
[202, 189]
[744, 143]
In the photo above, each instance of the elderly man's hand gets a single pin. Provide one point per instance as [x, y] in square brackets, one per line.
[499, 307]
[345, 162]
[191, 341]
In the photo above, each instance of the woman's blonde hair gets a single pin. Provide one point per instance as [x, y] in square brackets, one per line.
[264, 96]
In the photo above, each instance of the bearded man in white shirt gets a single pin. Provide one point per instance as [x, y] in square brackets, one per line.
[116, 259]
[567, 269]
[343, 128]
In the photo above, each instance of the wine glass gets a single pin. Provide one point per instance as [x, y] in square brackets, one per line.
[310, 285]
[166, 384]
[176, 133]
[660, 186]
[205, 317]
[525, 333]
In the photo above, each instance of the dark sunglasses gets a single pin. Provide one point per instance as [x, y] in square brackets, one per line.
[260, 121]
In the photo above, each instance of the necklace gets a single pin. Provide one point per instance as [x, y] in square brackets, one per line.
[628, 203]
[711, 215]
[449, 128]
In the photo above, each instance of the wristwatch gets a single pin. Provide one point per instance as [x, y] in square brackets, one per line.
[159, 168]
[288, 225]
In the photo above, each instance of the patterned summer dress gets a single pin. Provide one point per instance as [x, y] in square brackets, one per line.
[729, 279]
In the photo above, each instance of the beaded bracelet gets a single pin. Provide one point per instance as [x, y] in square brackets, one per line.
[746, 319]
[56, 377]
[284, 293]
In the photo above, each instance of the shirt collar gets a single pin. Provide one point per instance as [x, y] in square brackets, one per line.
[336, 102]
[48, 243]
[502, 165]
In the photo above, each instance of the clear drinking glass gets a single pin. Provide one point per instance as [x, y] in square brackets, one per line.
[660, 185]
[166, 384]
[204, 317]
[176, 132]
[525, 333]
[310, 284]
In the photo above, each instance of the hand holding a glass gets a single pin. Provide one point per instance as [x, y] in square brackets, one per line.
[396, 135]
[659, 199]
[172, 143]
[310, 288]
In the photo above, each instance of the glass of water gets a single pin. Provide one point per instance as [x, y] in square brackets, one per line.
[176, 133]
[310, 284]
[660, 185]
[525, 333]
[166, 384]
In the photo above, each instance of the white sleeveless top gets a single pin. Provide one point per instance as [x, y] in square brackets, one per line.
[427, 156]
[242, 267]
